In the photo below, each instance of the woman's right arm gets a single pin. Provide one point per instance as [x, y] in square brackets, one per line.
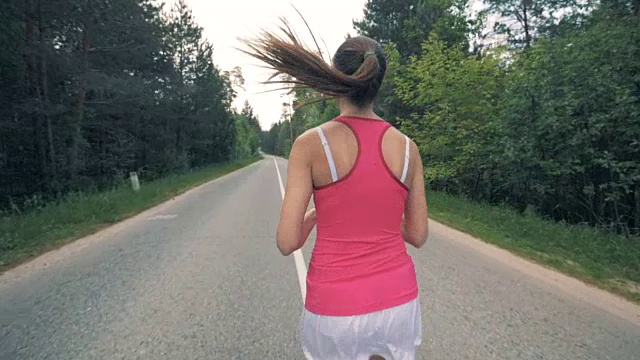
[415, 225]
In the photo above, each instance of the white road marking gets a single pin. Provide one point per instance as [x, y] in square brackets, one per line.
[279, 179]
[163, 217]
[301, 267]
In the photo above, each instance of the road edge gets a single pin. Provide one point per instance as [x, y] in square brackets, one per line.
[574, 287]
[56, 255]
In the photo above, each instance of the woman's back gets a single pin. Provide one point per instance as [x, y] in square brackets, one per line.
[344, 147]
[361, 300]
[359, 263]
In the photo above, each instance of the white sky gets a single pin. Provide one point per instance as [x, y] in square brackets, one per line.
[226, 20]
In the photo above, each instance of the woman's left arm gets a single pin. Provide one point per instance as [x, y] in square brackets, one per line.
[295, 222]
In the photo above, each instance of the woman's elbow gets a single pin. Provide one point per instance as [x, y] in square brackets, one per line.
[285, 249]
[421, 240]
[285, 245]
[418, 238]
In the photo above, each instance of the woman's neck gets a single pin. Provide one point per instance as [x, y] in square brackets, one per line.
[347, 109]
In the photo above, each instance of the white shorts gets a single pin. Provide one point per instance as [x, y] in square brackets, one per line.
[393, 333]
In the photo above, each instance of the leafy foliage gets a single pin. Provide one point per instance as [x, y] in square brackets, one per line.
[548, 122]
[247, 133]
[458, 97]
[94, 90]
[552, 129]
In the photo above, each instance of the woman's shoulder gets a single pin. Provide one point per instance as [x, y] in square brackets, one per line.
[399, 135]
[306, 144]
[311, 136]
[308, 137]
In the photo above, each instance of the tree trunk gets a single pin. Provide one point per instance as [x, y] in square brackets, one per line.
[82, 94]
[525, 25]
[636, 214]
[44, 80]
[33, 87]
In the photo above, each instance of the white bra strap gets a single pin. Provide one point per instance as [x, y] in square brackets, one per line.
[327, 152]
[405, 170]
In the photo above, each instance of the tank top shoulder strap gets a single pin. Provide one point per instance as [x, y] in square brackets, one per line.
[407, 156]
[369, 135]
[328, 154]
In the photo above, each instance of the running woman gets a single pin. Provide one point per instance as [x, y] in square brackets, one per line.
[366, 178]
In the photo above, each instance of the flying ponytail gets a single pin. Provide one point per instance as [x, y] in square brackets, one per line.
[357, 71]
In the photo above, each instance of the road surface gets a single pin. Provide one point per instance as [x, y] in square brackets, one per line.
[200, 278]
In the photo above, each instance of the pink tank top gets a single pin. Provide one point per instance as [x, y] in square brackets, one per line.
[360, 262]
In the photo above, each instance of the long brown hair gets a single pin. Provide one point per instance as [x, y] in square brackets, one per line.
[357, 71]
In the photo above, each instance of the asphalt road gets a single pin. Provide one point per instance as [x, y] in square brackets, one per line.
[200, 278]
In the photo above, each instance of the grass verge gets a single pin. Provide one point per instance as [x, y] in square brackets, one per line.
[24, 236]
[611, 262]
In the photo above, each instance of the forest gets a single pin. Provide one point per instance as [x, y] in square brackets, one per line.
[93, 90]
[534, 105]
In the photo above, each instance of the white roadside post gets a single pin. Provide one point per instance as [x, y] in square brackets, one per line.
[135, 183]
